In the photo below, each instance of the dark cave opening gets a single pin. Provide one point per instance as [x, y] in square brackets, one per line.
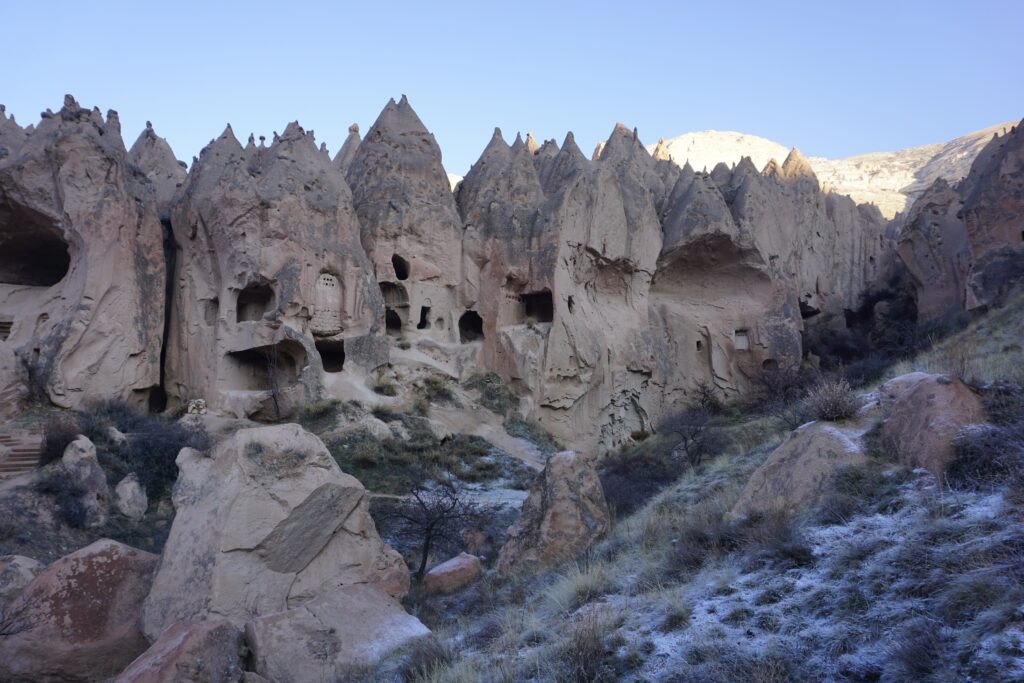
[471, 327]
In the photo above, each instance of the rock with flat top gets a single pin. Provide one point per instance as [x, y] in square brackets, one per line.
[450, 576]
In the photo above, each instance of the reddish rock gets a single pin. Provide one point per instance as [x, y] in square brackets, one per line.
[450, 576]
[194, 651]
[925, 419]
[78, 620]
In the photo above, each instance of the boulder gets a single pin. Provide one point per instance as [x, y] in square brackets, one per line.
[926, 417]
[78, 620]
[195, 651]
[797, 472]
[564, 513]
[327, 638]
[79, 468]
[16, 572]
[131, 498]
[450, 576]
[266, 523]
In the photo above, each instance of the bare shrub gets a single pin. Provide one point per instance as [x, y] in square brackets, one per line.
[1004, 403]
[833, 400]
[631, 478]
[917, 652]
[694, 435]
[706, 396]
[582, 657]
[986, 456]
[57, 434]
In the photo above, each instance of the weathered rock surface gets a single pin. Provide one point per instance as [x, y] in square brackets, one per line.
[78, 620]
[276, 294]
[194, 651]
[166, 174]
[796, 473]
[926, 417]
[80, 469]
[962, 245]
[82, 276]
[453, 574]
[564, 514]
[268, 522]
[16, 572]
[131, 499]
[329, 637]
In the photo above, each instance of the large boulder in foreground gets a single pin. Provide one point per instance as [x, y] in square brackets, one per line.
[16, 572]
[194, 651]
[797, 472]
[266, 523]
[78, 620]
[926, 417]
[331, 637]
[564, 514]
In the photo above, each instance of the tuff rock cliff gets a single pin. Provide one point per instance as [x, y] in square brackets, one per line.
[601, 290]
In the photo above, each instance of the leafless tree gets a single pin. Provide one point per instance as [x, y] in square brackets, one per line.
[696, 436]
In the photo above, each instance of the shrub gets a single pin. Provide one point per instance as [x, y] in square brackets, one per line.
[494, 393]
[1004, 403]
[633, 477]
[986, 456]
[582, 656]
[832, 400]
[917, 651]
[152, 449]
[860, 489]
[385, 387]
[319, 416]
[67, 497]
[436, 390]
[706, 397]
[694, 434]
[865, 370]
[787, 382]
[532, 432]
[57, 434]
[96, 419]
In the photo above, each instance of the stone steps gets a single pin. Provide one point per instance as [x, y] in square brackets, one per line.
[19, 452]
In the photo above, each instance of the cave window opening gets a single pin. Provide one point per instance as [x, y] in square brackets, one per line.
[538, 306]
[394, 295]
[210, 309]
[770, 365]
[572, 304]
[392, 321]
[700, 345]
[471, 327]
[265, 368]
[424, 323]
[808, 311]
[401, 267]
[741, 340]
[332, 354]
[5, 329]
[439, 323]
[253, 302]
[32, 250]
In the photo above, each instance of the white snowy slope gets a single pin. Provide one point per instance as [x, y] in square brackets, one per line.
[891, 180]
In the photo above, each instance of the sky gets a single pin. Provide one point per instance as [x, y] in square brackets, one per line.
[833, 78]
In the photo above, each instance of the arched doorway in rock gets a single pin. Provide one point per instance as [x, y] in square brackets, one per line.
[392, 321]
[538, 306]
[401, 267]
[471, 327]
[332, 354]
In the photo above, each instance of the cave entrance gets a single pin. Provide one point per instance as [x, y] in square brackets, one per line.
[538, 305]
[32, 249]
[392, 321]
[471, 327]
[332, 354]
[264, 368]
[394, 295]
[424, 323]
[401, 267]
[5, 329]
[253, 302]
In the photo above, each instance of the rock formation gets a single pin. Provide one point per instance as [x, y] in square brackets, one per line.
[78, 620]
[564, 514]
[166, 174]
[266, 523]
[453, 574]
[274, 292]
[82, 270]
[196, 651]
[962, 245]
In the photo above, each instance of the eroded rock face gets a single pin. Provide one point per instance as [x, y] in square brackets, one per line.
[130, 498]
[268, 522]
[332, 636]
[82, 276]
[166, 174]
[797, 472]
[926, 417]
[276, 295]
[196, 651]
[962, 245]
[79, 619]
[16, 572]
[564, 514]
[80, 468]
[410, 228]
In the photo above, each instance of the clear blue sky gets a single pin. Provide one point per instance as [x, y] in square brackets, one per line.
[834, 78]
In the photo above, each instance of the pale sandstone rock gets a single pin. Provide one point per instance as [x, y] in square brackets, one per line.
[80, 616]
[926, 417]
[325, 639]
[166, 174]
[453, 574]
[797, 472]
[268, 522]
[343, 159]
[564, 514]
[131, 498]
[16, 572]
[80, 466]
[194, 651]
[82, 275]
